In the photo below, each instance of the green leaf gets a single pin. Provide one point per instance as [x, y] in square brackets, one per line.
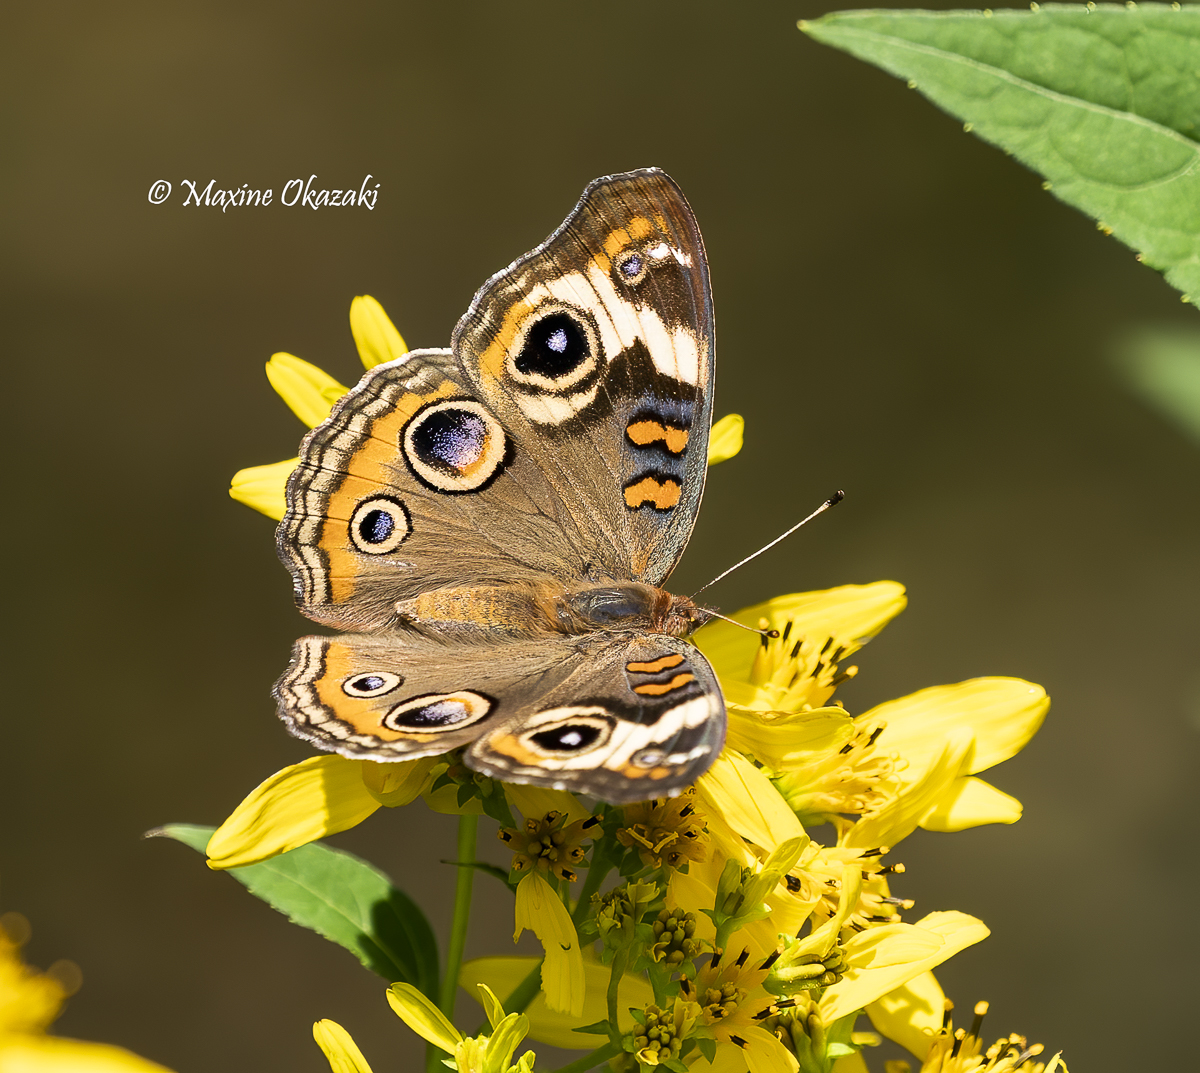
[1163, 366]
[708, 1048]
[488, 869]
[342, 898]
[1102, 100]
[599, 1028]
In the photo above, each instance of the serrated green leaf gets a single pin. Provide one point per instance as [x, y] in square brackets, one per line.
[1102, 100]
[1163, 366]
[342, 898]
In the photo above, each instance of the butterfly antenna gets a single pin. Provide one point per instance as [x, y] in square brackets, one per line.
[741, 625]
[833, 500]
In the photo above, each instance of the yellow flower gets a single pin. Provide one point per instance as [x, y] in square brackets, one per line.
[548, 844]
[799, 670]
[491, 1053]
[733, 1004]
[29, 1003]
[661, 1033]
[554, 1027]
[666, 832]
[942, 1047]
[478, 1054]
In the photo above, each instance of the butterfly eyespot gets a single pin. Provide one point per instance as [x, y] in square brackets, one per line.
[649, 758]
[379, 525]
[567, 739]
[555, 350]
[375, 684]
[437, 712]
[455, 446]
[632, 267]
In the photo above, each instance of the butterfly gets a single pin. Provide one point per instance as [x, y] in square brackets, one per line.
[493, 522]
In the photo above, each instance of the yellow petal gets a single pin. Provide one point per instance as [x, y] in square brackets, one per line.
[541, 911]
[851, 613]
[852, 1063]
[342, 1052]
[911, 1014]
[491, 1005]
[725, 439]
[783, 739]
[1002, 713]
[503, 974]
[293, 807]
[747, 800]
[728, 1059]
[765, 1053]
[309, 392]
[423, 1017]
[971, 802]
[534, 802]
[903, 813]
[53, 1054]
[821, 940]
[398, 784]
[374, 333]
[884, 958]
[264, 488]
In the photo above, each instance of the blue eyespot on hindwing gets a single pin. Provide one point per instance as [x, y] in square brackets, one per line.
[373, 684]
[438, 712]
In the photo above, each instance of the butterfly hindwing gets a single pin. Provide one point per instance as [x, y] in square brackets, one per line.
[638, 716]
[596, 352]
[625, 719]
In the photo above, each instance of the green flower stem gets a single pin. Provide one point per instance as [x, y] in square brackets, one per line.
[620, 960]
[468, 826]
[596, 872]
[590, 1061]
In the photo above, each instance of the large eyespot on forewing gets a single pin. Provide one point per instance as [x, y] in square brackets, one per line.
[455, 445]
[555, 350]
[437, 713]
[379, 524]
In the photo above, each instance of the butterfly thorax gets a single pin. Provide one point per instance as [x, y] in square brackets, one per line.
[629, 605]
[552, 609]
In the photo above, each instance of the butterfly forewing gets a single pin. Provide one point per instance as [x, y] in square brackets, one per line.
[598, 348]
[413, 485]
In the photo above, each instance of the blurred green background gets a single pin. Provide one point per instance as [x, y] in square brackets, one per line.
[903, 313]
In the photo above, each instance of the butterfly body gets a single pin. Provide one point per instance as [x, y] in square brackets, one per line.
[548, 609]
[494, 521]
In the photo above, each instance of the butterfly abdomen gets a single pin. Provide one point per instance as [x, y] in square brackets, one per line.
[512, 609]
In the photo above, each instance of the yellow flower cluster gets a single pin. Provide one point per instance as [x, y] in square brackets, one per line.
[780, 939]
